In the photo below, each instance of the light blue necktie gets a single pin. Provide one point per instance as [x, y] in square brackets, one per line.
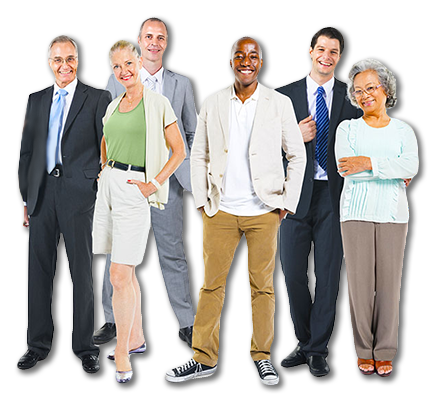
[322, 125]
[151, 83]
[54, 128]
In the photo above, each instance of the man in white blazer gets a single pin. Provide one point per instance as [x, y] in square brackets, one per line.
[239, 184]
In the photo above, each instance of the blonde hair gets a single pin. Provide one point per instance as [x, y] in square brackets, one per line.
[123, 44]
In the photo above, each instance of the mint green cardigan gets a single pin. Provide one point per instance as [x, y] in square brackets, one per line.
[378, 195]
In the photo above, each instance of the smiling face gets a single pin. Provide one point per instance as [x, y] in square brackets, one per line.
[374, 102]
[126, 67]
[153, 41]
[63, 62]
[325, 55]
[246, 62]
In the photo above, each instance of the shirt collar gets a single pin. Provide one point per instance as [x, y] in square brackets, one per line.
[312, 86]
[254, 96]
[70, 88]
[144, 74]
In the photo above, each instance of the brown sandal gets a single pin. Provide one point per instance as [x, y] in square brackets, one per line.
[370, 362]
[379, 364]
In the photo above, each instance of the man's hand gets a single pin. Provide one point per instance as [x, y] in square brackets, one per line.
[282, 214]
[308, 129]
[26, 218]
[407, 181]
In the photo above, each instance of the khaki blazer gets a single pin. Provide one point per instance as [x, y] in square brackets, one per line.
[275, 130]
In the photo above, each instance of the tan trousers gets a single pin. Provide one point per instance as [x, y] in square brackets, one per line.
[374, 257]
[222, 234]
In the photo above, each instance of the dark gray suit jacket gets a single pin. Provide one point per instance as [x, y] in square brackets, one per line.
[81, 142]
[341, 110]
[178, 90]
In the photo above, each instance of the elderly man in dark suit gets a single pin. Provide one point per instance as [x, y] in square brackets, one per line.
[167, 223]
[59, 164]
[320, 105]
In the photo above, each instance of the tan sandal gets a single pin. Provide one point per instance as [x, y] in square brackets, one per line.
[379, 364]
[370, 362]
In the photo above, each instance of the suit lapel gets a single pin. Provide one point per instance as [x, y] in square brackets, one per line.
[79, 98]
[169, 85]
[261, 111]
[46, 102]
[224, 112]
[337, 105]
[300, 101]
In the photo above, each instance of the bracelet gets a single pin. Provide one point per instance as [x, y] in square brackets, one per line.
[155, 183]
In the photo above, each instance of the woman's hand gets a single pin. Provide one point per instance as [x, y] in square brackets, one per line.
[353, 165]
[407, 181]
[147, 189]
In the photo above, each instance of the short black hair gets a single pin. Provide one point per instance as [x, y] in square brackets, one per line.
[330, 33]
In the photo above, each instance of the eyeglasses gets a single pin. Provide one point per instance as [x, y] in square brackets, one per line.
[69, 60]
[370, 90]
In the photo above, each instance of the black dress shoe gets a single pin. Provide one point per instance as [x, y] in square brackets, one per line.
[318, 366]
[90, 363]
[105, 334]
[29, 360]
[186, 335]
[295, 358]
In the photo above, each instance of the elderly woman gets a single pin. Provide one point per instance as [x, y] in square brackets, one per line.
[139, 126]
[377, 155]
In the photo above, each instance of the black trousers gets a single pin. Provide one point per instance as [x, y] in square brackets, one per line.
[313, 319]
[66, 207]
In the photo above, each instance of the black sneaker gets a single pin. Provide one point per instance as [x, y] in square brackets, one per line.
[189, 371]
[267, 372]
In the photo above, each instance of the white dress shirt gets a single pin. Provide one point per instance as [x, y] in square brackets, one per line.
[70, 88]
[158, 76]
[312, 86]
[238, 196]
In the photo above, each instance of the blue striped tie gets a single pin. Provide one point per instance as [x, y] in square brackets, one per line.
[322, 125]
[54, 128]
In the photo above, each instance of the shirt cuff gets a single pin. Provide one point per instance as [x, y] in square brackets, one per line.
[375, 166]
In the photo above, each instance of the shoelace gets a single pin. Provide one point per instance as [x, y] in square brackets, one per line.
[187, 366]
[265, 367]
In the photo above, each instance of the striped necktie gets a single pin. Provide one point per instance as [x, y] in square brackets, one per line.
[322, 125]
[54, 128]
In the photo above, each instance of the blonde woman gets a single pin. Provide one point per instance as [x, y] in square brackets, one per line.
[139, 128]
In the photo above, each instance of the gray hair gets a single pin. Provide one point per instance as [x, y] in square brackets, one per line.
[62, 39]
[386, 79]
[123, 44]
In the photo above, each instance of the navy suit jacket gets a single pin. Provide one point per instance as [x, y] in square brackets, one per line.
[81, 142]
[341, 109]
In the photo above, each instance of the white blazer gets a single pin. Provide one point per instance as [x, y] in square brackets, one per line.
[275, 130]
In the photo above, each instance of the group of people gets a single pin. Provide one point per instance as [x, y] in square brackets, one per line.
[316, 160]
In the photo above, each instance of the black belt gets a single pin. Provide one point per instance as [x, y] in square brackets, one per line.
[124, 167]
[57, 171]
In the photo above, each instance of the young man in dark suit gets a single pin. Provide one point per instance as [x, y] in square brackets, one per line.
[59, 165]
[320, 105]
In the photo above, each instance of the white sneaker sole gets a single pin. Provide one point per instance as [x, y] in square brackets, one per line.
[271, 382]
[199, 375]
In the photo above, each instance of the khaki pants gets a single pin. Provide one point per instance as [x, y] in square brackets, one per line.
[374, 257]
[222, 234]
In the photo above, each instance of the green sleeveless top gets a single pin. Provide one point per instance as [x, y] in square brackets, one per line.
[125, 136]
